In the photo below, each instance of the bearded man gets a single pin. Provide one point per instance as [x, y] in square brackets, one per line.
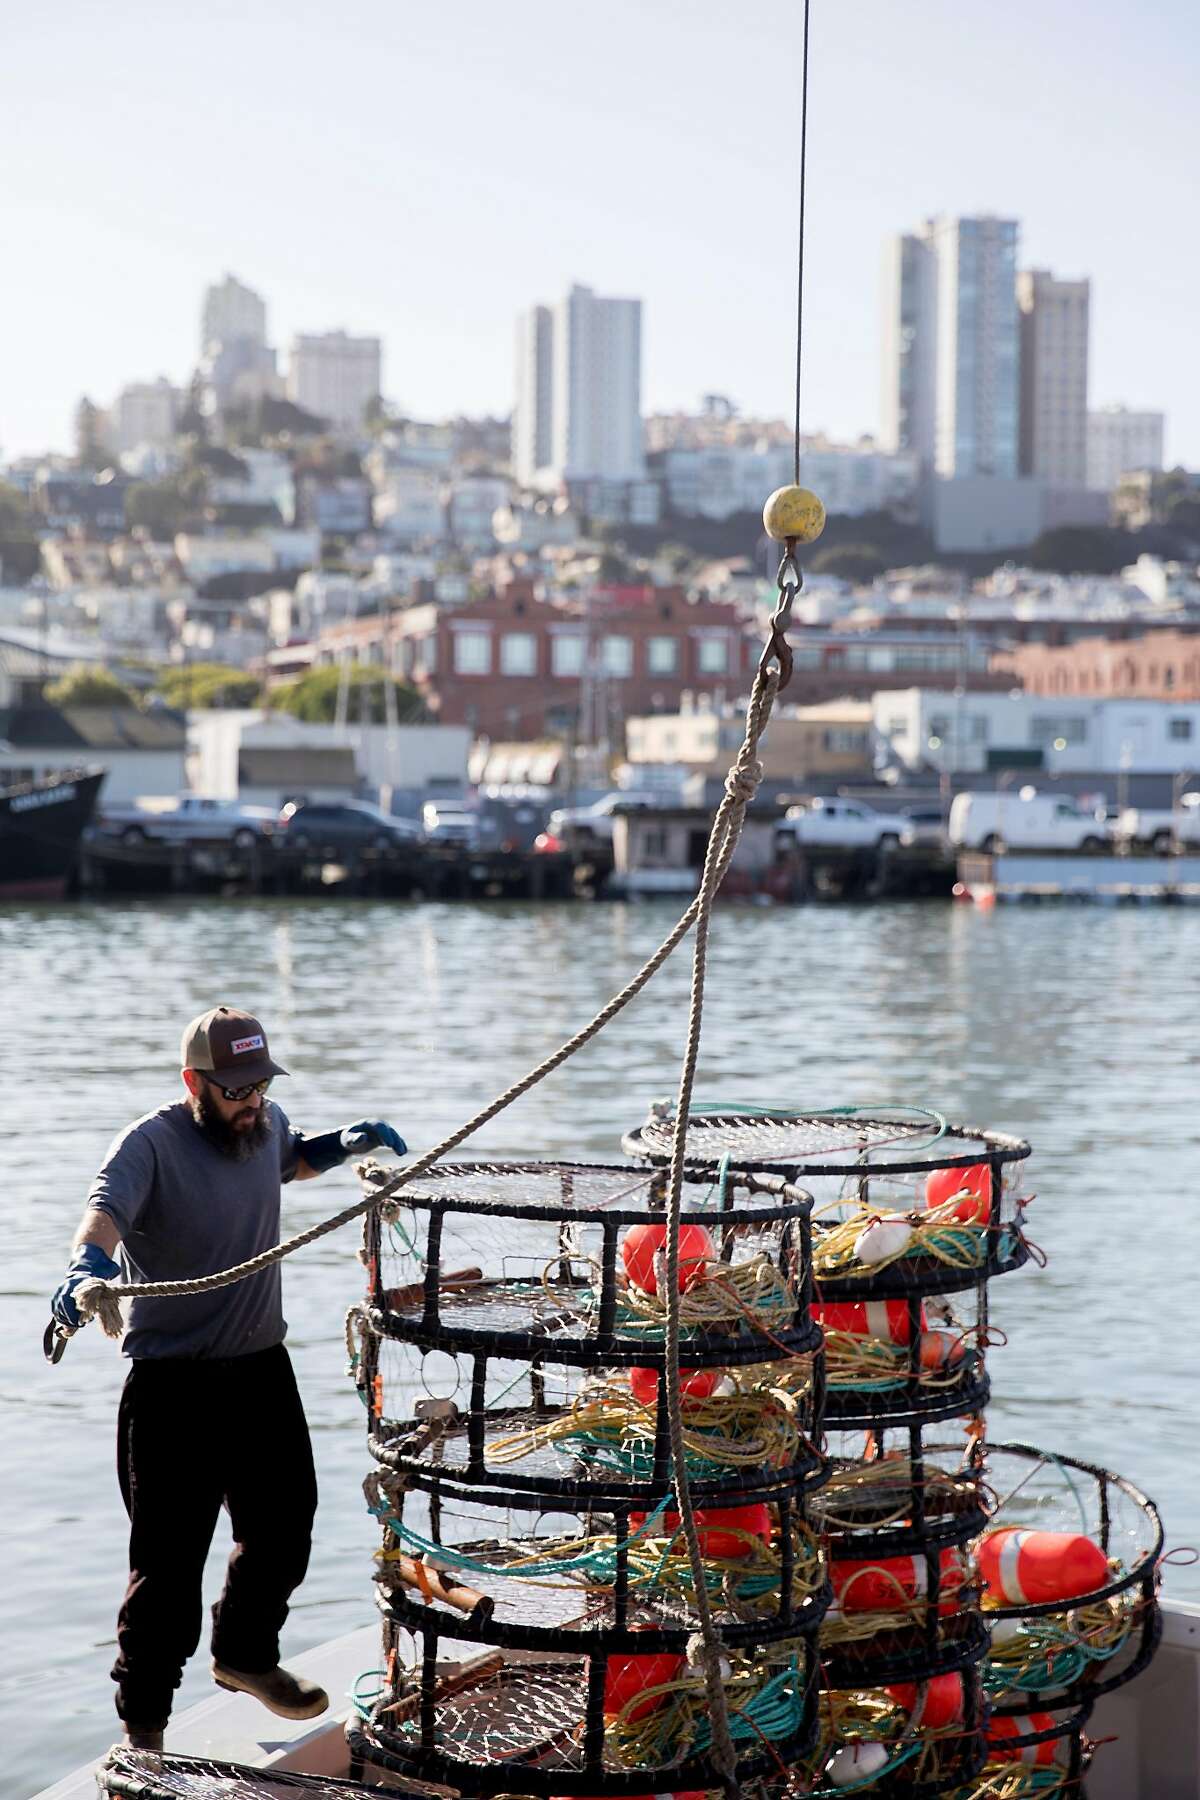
[209, 1414]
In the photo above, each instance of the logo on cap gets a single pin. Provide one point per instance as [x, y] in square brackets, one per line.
[250, 1043]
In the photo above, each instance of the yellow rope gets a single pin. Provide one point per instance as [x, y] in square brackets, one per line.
[852, 1360]
[842, 1498]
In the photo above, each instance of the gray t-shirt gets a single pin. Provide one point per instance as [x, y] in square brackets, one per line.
[183, 1209]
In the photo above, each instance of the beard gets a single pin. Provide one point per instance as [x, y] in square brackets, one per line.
[239, 1144]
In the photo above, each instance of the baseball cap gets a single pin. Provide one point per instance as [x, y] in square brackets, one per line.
[230, 1045]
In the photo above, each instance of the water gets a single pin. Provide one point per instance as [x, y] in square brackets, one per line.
[1072, 1026]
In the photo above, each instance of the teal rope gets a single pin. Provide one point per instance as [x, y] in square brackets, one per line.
[1064, 1659]
[363, 1703]
[600, 1563]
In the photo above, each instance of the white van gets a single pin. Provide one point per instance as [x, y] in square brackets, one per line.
[1024, 821]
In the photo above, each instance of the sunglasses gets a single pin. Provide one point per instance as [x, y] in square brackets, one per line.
[240, 1093]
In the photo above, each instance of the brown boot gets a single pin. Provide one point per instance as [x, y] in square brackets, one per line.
[143, 1737]
[280, 1691]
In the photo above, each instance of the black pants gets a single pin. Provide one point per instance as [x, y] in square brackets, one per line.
[192, 1435]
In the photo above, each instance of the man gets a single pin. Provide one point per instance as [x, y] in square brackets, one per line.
[209, 1414]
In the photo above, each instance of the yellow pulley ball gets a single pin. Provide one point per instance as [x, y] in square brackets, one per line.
[794, 512]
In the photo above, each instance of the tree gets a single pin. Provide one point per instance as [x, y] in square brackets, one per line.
[314, 697]
[163, 508]
[83, 685]
[850, 562]
[208, 685]
[20, 549]
[1081, 550]
[1183, 513]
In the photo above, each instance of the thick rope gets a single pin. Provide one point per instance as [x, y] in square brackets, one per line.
[102, 1299]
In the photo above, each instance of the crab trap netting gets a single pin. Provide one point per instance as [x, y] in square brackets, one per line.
[897, 1190]
[142, 1775]
[614, 1722]
[1069, 1570]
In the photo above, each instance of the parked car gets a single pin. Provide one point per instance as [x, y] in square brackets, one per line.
[847, 824]
[594, 821]
[1159, 827]
[925, 827]
[1024, 821]
[190, 818]
[333, 826]
[442, 824]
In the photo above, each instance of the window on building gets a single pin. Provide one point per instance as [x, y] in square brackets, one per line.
[939, 725]
[566, 653]
[662, 655]
[845, 740]
[1044, 728]
[714, 656]
[518, 653]
[472, 653]
[617, 654]
[425, 654]
[654, 840]
[1179, 728]
[1169, 676]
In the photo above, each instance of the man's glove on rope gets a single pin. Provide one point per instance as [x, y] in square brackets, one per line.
[330, 1148]
[89, 1262]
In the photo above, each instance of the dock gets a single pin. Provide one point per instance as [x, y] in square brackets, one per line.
[1078, 875]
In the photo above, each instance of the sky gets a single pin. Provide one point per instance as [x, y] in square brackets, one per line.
[422, 172]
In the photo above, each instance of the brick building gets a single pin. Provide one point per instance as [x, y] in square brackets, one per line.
[513, 666]
[1160, 665]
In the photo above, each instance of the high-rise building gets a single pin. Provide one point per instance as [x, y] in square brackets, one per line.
[232, 311]
[146, 412]
[1054, 377]
[597, 391]
[533, 411]
[977, 346]
[335, 376]
[578, 415]
[1119, 441]
[909, 346]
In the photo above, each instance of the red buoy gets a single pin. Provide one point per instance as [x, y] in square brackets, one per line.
[1038, 1756]
[725, 1532]
[697, 1383]
[890, 1583]
[973, 1183]
[887, 1320]
[642, 1242]
[627, 1676]
[943, 1700]
[1033, 1568]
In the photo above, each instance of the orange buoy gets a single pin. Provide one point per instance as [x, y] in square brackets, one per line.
[697, 1383]
[890, 1583]
[975, 1186]
[1033, 1568]
[943, 1700]
[941, 1349]
[627, 1676]
[1038, 1756]
[726, 1533]
[641, 1244]
[887, 1320]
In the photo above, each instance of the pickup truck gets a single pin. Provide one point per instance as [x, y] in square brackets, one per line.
[1159, 827]
[848, 824]
[187, 818]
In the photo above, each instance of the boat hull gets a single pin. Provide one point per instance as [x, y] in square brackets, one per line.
[41, 826]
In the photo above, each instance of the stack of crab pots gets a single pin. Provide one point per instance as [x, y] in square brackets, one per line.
[540, 1633]
[983, 1595]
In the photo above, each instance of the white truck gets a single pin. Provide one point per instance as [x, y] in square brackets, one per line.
[1158, 827]
[844, 824]
[190, 818]
[1027, 820]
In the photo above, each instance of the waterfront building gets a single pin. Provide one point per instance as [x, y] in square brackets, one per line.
[335, 375]
[144, 752]
[1054, 323]
[978, 733]
[834, 740]
[1120, 440]
[1159, 665]
[267, 758]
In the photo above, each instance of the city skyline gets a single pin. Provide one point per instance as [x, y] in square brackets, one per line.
[639, 174]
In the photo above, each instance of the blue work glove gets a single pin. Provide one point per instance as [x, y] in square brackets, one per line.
[88, 1262]
[330, 1148]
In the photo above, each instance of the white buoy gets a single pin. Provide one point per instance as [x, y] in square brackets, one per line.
[882, 1239]
[1005, 1631]
[856, 1762]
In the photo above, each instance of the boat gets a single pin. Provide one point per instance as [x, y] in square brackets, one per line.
[41, 826]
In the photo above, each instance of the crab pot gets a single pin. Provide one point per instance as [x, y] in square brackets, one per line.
[1082, 1545]
[898, 1524]
[915, 1739]
[537, 1599]
[609, 1723]
[861, 1160]
[132, 1775]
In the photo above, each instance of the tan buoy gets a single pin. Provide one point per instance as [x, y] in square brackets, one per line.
[794, 512]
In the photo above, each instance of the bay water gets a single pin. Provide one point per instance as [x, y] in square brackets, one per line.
[1073, 1026]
